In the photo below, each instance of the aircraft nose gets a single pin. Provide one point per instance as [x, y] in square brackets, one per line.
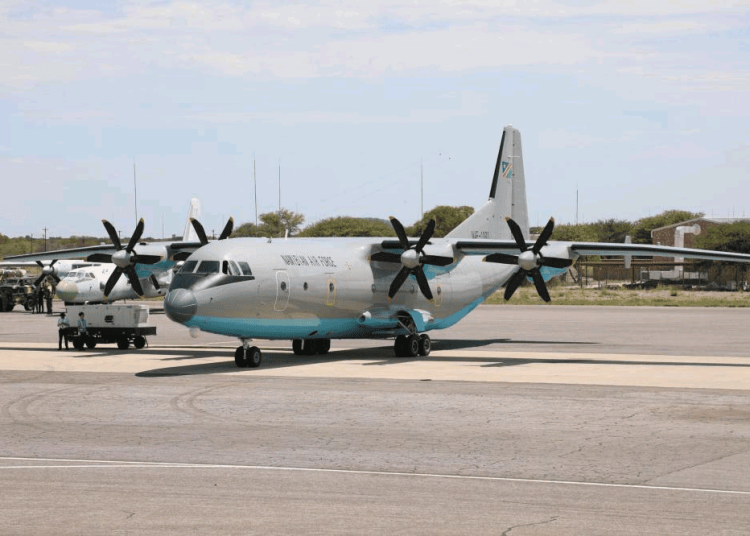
[66, 291]
[180, 305]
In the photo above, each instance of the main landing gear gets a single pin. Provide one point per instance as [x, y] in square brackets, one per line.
[247, 356]
[311, 346]
[412, 345]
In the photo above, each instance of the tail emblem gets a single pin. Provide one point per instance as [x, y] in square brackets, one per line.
[507, 170]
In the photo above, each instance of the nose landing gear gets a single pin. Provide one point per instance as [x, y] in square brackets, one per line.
[247, 356]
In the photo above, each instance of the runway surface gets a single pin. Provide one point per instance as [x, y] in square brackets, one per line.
[523, 420]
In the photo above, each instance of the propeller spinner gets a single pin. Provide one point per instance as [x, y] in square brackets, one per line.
[411, 259]
[126, 258]
[530, 260]
[48, 270]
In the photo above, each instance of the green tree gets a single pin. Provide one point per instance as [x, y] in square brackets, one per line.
[613, 230]
[446, 219]
[275, 224]
[583, 232]
[347, 226]
[732, 237]
[642, 228]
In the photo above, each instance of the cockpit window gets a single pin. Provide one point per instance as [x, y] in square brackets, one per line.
[208, 267]
[245, 267]
[230, 268]
[188, 267]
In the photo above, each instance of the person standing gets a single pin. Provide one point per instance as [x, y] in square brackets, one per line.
[48, 299]
[39, 301]
[63, 325]
[81, 325]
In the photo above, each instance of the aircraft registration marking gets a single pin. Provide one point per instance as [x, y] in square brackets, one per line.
[309, 260]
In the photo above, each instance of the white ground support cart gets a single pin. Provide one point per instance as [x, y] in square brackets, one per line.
[121, 324]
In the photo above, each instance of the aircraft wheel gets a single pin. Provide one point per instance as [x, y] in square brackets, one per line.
[139, 342]
[91, 344]
[411, 348]
[322, 346]
[297, 347]
[399, 346]
[123, 344]
[309, 346]
[240, 358]
[425, 345]
[254, 357]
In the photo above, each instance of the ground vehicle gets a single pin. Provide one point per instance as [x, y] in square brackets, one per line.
[121, 324]
[14, 290]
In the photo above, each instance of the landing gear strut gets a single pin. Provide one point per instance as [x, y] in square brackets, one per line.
[247, 356]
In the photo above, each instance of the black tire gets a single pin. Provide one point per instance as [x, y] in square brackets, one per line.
[78, 343]
[411, 348]
[139, 342]
[322, 346]
[425, 345]
[123, 344]
[239, 357]
[91, 344]
[400, 345]
[310, 347]
[28, 305]
[254, 357]
[297, 347]
[3, 303]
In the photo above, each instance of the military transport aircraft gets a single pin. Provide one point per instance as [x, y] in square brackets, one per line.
[147, 267]
[314, 290]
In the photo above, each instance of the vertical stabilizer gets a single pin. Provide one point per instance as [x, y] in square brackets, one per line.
[194, 211]
[507, 196]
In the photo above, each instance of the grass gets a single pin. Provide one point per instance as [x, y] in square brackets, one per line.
[664, 297]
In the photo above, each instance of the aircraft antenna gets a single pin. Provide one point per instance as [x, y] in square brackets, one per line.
[45, 238]
[421, 188]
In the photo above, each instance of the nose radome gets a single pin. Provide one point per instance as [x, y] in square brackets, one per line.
[66, 291]
[180, 305]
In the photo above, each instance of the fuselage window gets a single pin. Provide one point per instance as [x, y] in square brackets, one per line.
[245, 267]
[208, 267]
[189, 266]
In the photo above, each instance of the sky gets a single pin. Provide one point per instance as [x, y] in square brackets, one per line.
[636, 107]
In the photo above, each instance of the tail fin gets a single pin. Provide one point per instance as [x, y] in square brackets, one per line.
[507, 196]
[194, 211]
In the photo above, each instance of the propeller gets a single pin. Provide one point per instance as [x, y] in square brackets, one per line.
[411, 259]
[126, 258]
[47, 271]
[530, 260]
[201, 232]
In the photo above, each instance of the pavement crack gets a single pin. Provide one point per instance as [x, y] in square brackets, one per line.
[507, 531]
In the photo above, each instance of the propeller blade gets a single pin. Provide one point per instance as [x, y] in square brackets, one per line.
[112, 236]
[227, 229]
[41, 265]
[501, 258]
[154, 282]
[39, 280]
[515, 230]
[99, 257]
[133, 278]
[544, 236]
[426, 235]
[52, 263]
[424, 285]
[199, 231]
[514, 283]
[136, 236]
[384, 256]
[55, 277]
[398, 281]
[554, 262]
[112, 281]
[541, 288]
[400, 233]
[436, 260]
[145, 259]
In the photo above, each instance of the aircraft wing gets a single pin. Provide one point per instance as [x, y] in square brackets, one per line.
[101, 253]
[573, 250]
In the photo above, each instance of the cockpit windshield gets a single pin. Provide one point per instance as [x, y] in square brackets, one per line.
[79, 276]
[208, 267]
[188, 267]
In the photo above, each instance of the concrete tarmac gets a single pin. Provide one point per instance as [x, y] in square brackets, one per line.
[523, 420]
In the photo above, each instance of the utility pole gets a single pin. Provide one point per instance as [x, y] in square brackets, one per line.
[421, 188]
[279, 188]
[45, 238]
[135, 194]
[31, 246]
[255, 186]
